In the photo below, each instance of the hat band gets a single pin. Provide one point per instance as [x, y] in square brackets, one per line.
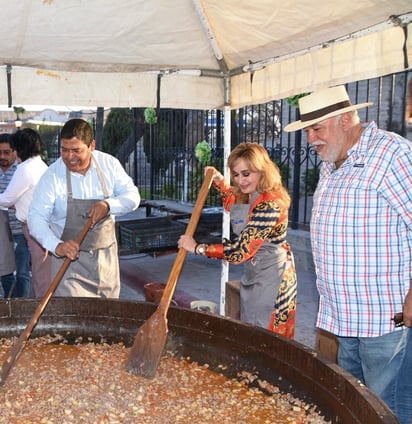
[324, 111]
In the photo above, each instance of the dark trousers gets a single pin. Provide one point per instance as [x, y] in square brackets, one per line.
[19, 284]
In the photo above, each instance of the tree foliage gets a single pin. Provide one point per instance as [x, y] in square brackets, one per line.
[117, 129]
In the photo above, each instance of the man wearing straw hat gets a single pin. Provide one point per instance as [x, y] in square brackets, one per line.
[361, 232]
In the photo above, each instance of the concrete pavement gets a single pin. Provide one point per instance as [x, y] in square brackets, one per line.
[200, 280]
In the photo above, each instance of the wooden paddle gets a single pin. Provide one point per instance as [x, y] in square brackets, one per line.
[151, 338]
[18, 347]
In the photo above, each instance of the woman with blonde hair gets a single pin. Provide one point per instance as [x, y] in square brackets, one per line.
[258, 204]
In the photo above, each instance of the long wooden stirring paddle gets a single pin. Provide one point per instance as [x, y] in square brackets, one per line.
[18, 347]
[150, 340]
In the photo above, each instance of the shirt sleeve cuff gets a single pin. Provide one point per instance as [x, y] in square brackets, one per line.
[215, 251]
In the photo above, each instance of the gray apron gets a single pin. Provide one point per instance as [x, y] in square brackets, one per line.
[7, 255]
[260, 282]
[96, 272]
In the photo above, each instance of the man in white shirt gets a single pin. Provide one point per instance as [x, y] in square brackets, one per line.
[82, 183]
[18, 194]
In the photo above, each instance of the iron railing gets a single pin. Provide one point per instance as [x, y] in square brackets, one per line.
[160, 158]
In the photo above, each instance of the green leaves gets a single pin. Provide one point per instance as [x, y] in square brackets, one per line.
[203, 152]
[294, 100]
[18, 109]
[150, 116]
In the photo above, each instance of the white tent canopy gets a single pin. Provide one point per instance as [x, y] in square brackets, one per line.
[205, 53]
[194, 54]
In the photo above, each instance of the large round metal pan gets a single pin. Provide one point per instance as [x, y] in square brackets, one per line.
[228, 346]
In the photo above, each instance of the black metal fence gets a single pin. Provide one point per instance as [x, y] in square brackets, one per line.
[161, 160]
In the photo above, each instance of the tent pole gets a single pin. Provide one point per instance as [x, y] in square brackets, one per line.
[9, 95]
[226, 216]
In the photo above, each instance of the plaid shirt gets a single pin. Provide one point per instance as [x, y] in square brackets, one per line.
[5, 178]
[361, 231]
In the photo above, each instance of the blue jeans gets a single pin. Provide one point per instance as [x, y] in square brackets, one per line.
[384, 365]
[403, 406]
[21, 282]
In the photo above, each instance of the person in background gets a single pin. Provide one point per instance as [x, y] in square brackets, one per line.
[361, 232]
[82, 183]
[7, 256]
[258, 204]
[408, 108]
[19, 284]
[29, 148]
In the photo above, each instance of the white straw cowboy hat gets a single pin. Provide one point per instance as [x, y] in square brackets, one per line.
[323, 104]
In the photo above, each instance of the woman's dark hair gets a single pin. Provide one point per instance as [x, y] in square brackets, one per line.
[27, 143]
[78, 128]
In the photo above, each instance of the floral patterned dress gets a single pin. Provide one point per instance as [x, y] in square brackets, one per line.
[268, 284]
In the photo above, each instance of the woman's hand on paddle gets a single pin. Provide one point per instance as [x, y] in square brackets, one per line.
[217, 176]
[70, 249]
[186, 242]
